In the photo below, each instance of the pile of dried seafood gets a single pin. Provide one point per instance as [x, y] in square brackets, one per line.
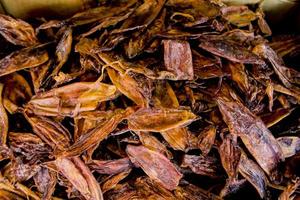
[153, 99]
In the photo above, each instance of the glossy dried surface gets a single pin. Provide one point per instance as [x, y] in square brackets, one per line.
[149, 99]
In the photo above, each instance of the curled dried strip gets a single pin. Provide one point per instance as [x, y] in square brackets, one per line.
[111, 167]
[254, 174]
[80, 177]
[158, 120]
[155, 165]
[17, 31]
[23, 59]
[255, 135]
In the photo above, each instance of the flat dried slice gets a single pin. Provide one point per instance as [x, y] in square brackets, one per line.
[254, 174]
[155, 165]
[230, 50]
[206, 166]
[17, 31]
[255, 135]
[23, 59]
[80, 176]
[178, 59]
[111, 167]
[157, 120]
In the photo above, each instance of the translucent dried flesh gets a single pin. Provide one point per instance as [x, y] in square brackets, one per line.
[149, 100]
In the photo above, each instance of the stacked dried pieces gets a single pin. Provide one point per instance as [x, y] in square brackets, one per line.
[148, 99]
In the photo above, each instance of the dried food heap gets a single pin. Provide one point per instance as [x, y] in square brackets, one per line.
[153, 99]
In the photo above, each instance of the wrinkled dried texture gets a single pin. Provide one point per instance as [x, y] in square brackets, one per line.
[45, 180]
[289, 193]
[286, 46]
[143, 16]
[232, 186]
[51, 132]
[111, 167]
[178, 59]
[158, 120]
[17, 90]
[206, 166]
[254, 174]
[121, 192]
[203, 7]
[17, 31]
[138, 42]
[270, 119]
[23, 59]
[207, 139]
[286, 75]
[150, 189]
[17, 171]
[255, 135]
[71, 99]
[96, 135]
[63, 50]
[7, 195]
[238, 75]
[238, 15]
[38, 75]
[113, 181]
[3, 120]
[80, 176]
[230, 154]
[230, 50]
[290, 145]
[177, 138]
[155, 165]
[164, 96]
[29, 145]
[151, 142]
[193, 192]
[204, 67]
[107, 22]
[127, 86]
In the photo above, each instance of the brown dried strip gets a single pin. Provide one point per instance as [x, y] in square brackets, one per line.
[155, 165]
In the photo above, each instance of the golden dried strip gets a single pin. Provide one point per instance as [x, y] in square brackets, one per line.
[23, 59]
[158, 120]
